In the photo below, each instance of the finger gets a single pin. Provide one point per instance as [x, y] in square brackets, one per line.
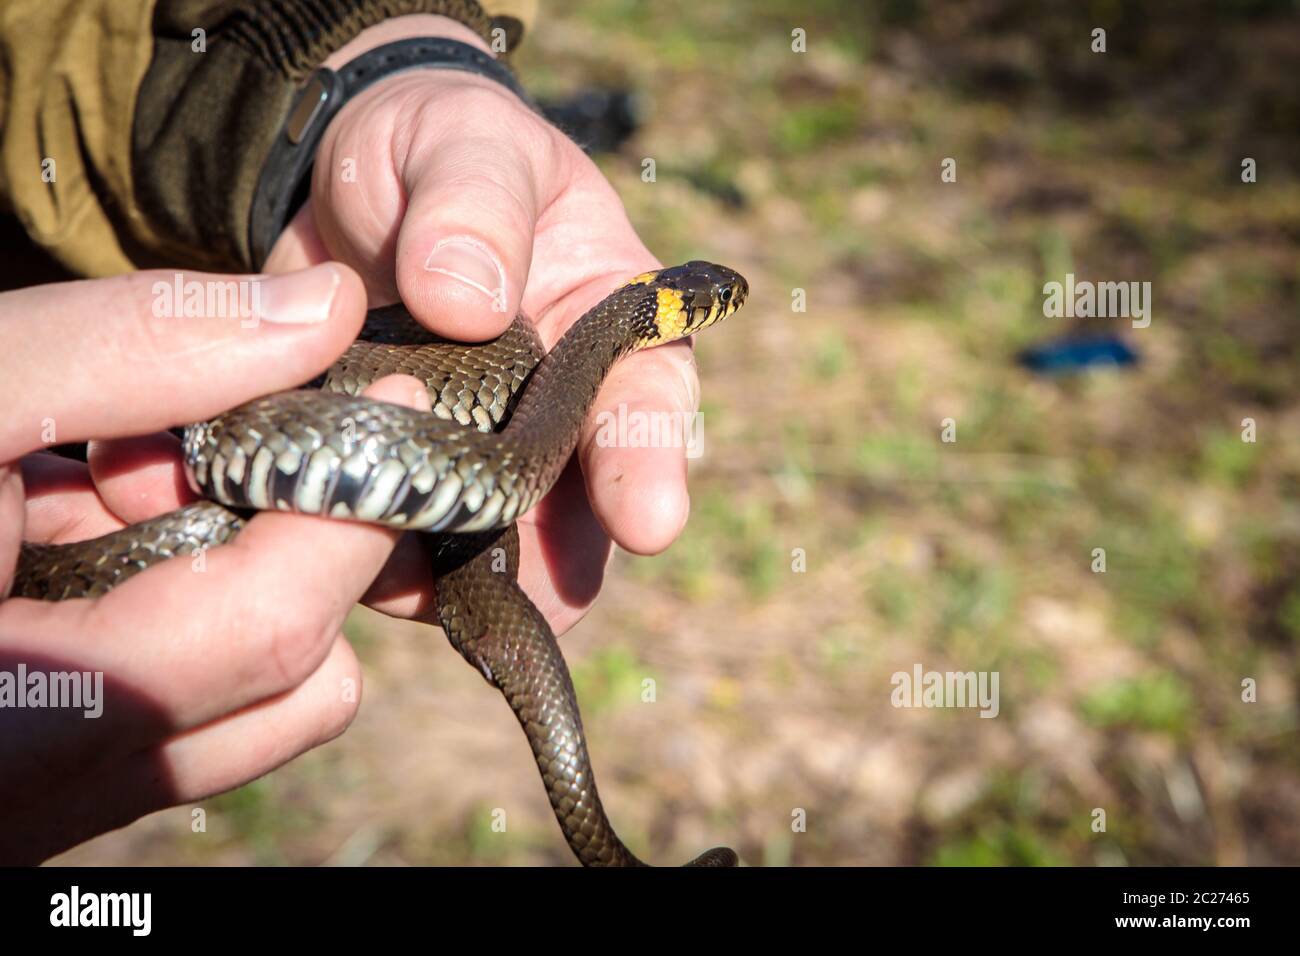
[299, 246]
[216, 757]
[634, 446]
[138, 478]
[465, 245]
[563, 552]
[588, 245]
[242, 747]
[111, 357]
[61, 501]
[404, 588]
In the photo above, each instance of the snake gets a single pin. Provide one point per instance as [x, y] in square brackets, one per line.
[505, 419]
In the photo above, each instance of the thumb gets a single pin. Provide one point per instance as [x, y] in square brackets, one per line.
[466, 241]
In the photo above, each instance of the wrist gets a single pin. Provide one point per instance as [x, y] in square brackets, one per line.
[404, 28]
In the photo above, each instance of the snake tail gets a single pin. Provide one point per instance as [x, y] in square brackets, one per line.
[497, 629]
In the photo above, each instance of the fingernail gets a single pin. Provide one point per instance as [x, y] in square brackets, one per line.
[299, 298]
[469, 261]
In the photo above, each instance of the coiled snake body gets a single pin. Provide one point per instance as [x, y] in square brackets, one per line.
[491, 449]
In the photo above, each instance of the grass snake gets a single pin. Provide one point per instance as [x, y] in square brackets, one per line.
[505, 420]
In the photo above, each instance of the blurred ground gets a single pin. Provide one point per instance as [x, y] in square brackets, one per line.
[820, 171]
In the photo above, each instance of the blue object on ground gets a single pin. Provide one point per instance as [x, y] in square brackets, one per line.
[1074, 353]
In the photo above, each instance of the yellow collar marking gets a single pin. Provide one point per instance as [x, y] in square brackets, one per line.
[670, 318]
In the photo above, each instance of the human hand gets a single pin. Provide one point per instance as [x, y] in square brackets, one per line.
[210, 679]
[469, 207]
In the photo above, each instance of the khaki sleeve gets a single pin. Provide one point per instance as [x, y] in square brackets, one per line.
[123, 146]
[69, 74]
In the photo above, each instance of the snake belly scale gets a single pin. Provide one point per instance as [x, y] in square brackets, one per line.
[505, 420]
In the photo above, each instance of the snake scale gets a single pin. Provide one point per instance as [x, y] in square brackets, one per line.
[505, 420]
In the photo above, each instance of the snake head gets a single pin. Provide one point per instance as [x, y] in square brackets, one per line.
[689, 298]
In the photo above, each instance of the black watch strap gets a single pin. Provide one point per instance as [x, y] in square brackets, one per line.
[286, 177]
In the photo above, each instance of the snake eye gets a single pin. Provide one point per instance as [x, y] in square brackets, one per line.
[726, 296]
